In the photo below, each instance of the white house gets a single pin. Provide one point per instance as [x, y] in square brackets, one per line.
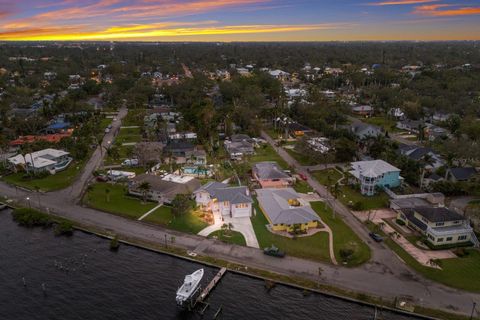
[51, 160]
[217, 197]
[279, 74]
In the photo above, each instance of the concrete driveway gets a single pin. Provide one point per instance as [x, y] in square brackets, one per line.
[242, 225]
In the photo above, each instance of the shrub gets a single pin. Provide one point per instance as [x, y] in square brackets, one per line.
[400, 222]
[31, 218]
[114, 244]
[346, 254]
[358, 206]
[64, 228]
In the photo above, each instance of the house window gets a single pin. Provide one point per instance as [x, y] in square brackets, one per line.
[439, 224]
[449, 238]
[241, 206]
[440, 240]
[462, 238]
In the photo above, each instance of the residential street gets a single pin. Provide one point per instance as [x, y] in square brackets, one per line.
[385, 276]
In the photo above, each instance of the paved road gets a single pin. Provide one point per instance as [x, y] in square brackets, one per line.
[393, 135]
[75, 191]
[384, 276]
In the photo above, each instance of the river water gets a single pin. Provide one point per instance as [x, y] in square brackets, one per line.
[78, 277]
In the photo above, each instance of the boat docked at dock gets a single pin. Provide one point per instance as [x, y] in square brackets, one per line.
[189, 287]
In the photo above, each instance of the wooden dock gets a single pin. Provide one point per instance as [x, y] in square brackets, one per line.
[211, 285]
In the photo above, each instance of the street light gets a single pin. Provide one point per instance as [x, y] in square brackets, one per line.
[29, 204]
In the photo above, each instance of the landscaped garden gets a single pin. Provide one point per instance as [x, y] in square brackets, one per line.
[302, 186]
[327, 177]
[461, 273]
[113, 198]
[267, 153]
[313, 247]
[117, 201]
[233, 237]
[349, 248]
[47, 182]
[353, 198]
[191, 222]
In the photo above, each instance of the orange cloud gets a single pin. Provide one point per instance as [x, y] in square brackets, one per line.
[400, 2]
[155, 31]
[443, 10]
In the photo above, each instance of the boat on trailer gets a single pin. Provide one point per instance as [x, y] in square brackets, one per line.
[189, 287]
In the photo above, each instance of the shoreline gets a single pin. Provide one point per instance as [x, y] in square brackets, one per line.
[299, 282]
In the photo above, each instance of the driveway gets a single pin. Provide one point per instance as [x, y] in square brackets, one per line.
[423, 256]
[242, 225]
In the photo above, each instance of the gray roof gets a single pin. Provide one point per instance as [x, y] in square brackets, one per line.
[372, 168]
[241, 137]
[223, 192]
[240, 147]
[269, 170]
[463, 174]
[274, 203]
[409, 202]
[440, 214]
[365, 129]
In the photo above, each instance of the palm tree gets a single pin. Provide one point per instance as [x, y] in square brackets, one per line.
[224, 227]
[144, 187]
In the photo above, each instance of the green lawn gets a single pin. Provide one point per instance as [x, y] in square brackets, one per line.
[190, 223]
[343, 237]
[302, 187]
[349, 196]
[314, 247]
[118, 202]
[127, 135]
[53, 182]
[461, 273]
[327, 177]
[267, 153]
[387, 124]
[233, 237]
[124, 152]
[105, 122]
[303, 159]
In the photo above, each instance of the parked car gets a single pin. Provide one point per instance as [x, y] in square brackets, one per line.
[274, 252]
[303, 177]
[130, 162]
[376, 237]
[107, 130]
[102, 178]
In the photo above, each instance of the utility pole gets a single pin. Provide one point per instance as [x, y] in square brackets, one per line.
[473, 310]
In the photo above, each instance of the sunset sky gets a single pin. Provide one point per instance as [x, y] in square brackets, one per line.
[239, 20]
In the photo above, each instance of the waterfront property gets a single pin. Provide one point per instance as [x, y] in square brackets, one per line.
[217, 197]
[375, 174]
[47, 160]
[440, 225]
[286, 211]
[269, 175]
[162, 189]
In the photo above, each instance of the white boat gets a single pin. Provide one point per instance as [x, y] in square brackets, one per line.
[189, 287]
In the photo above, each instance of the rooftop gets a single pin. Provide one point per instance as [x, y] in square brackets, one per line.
[275, 204]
